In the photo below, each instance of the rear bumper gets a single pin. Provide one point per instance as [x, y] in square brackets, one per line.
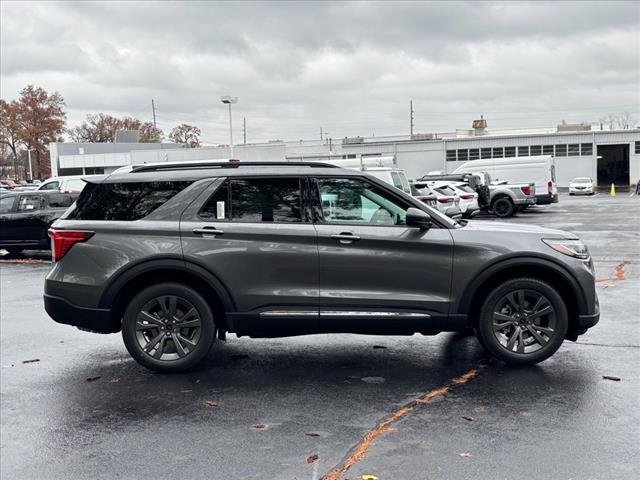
[94, 319]
[546, 199]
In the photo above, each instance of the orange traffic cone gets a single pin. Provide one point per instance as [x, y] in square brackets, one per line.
[613, 190]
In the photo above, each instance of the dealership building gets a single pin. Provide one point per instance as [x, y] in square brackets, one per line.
[608, 156]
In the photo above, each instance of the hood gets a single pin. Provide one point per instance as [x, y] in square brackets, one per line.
[485, 226]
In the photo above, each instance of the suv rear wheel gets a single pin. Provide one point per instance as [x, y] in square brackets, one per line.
[523, 321]
[168, 327]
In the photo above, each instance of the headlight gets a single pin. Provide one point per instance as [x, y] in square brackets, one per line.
[573, 248]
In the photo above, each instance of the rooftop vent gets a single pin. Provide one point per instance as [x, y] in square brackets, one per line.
[479, 124]
[573, 127]
[422, 136]
[127, 136]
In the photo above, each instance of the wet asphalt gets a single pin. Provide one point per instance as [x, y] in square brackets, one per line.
[301, 408]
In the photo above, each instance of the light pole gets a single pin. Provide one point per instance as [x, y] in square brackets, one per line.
[229, 101]
[30, 168]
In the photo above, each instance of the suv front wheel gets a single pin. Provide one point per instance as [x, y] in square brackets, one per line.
[523, 321]
[168, 327]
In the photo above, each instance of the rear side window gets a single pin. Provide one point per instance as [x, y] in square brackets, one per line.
[256, 200]
[29, 203]
[123, 201]
[75, 185]
[60, 200]
[50, 186]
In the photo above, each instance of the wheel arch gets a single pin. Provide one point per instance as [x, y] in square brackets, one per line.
[130, 281]
[531, 267]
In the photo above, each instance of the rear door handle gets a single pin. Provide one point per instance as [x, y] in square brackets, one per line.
[345, 237]
[207, 231]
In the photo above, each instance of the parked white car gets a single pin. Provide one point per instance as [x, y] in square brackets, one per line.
[446, 201]
[468, 199]
[68, 184]
[581, 186]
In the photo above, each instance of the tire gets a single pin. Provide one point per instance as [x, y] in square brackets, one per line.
[571, 194]
[175, 349]
[503, 207]
[505, 304]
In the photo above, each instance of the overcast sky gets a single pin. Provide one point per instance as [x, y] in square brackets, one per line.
[350, 68]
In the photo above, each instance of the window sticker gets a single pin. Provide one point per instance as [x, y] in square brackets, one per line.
[220, 210]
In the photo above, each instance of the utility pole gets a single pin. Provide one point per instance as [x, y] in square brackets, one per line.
[153, 109]
[30, 167]
[411, 116]
[244, 129]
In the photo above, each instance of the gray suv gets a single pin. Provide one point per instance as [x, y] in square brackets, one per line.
[175, 256]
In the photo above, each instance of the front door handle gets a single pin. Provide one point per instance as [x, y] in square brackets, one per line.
[207, 231]
[345, 237]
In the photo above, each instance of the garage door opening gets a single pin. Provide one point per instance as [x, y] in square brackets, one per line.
[613, 166]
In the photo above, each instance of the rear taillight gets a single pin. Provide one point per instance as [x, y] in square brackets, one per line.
[466, 196]
[445, 199]
[526, 189]
[550, 187]
[63, 240]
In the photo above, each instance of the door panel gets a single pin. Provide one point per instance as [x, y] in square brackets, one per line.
[24, 225]
[369, 258]
[388, 267]
[265, 265]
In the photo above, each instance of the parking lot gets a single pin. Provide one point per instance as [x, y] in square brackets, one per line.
[75, 405]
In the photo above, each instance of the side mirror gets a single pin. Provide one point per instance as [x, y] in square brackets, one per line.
[418, 218]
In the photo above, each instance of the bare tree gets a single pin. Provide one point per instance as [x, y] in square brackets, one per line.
[619, 121]
[185, 133]
[102, 127]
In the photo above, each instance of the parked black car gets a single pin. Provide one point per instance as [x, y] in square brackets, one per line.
[25, 218]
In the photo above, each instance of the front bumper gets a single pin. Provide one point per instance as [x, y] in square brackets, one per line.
[583, 191]
[93, 319]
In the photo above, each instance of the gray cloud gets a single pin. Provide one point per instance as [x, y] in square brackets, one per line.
[348, 67]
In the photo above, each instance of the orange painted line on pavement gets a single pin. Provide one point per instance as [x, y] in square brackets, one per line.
[383, 426]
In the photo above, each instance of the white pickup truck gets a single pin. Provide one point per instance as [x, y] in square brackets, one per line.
[503, 199]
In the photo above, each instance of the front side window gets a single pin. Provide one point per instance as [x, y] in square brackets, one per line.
[256, 200]
[123, 201]
[6, 204]
[355, 201]
[29, 203]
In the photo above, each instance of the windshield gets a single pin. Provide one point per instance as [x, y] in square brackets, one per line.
[581, 180]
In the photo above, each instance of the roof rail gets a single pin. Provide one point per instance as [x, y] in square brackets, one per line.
[223, 164]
